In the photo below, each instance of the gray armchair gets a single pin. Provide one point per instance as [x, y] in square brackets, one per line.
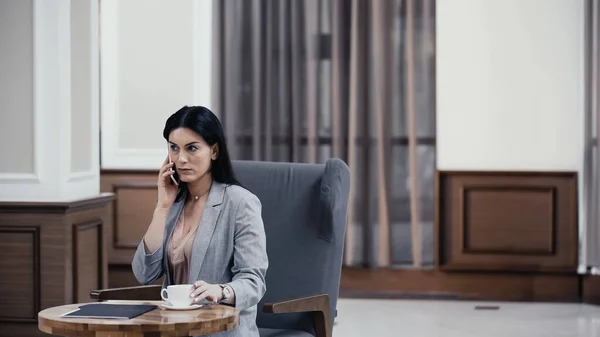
[304, 210]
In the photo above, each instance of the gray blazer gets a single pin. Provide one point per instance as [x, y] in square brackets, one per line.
[229, 248]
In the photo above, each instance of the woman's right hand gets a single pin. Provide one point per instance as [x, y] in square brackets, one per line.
[166, 190]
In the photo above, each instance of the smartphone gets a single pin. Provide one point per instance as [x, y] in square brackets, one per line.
[173, 179]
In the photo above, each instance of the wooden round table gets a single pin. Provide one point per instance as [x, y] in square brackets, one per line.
[158, 322]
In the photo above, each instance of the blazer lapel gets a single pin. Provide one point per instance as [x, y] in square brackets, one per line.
[208, 222]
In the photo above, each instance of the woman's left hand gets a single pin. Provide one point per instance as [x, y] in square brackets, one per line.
[202, 290]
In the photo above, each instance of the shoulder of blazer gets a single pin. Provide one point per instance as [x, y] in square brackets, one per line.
[237, 193]
[230, 197]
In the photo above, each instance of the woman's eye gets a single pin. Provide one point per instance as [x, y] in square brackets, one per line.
[173, 148]
[192, 148]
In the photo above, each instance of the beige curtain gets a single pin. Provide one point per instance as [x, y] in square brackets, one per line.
[306, 80]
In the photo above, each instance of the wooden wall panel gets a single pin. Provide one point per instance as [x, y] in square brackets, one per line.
[87, 259]
[21, 330]
[43, 235]
[130, 213]
[20, 281]
[133, 210]
[86, 221]
[590, 291]
[507, 221]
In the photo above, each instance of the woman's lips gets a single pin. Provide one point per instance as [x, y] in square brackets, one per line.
[184, 171]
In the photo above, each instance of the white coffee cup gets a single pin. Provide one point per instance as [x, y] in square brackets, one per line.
[177, 295]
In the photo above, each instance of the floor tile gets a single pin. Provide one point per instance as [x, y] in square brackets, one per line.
[427, 318]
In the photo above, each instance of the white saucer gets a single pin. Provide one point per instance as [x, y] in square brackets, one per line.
[190, 307]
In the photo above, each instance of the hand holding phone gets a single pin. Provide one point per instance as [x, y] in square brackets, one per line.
[167, 185]
[173, 175]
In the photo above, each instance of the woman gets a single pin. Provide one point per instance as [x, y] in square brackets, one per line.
[206, 230]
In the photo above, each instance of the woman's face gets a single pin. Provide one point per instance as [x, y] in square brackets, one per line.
[191, 154]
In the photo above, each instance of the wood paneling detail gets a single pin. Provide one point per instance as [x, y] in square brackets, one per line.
[507, 221]
[87, 259]
[479, 286]
[487, 227]
[132, 212]
[590, 289]
[63, 207]
[20, 281]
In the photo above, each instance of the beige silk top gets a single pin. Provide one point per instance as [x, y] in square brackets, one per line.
[180, 251]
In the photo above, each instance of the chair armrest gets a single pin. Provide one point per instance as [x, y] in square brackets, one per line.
[318, 305]
[140, 293]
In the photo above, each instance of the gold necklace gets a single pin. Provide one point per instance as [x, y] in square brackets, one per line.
[197, 197]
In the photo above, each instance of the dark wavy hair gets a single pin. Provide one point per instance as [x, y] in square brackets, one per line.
[203, 122]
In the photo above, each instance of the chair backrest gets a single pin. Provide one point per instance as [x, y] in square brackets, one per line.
[304, 209]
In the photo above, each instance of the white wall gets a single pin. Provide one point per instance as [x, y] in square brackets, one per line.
[156, 58]
[510, 87]
[510, 84]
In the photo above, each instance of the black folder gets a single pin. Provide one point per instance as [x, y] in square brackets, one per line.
[114, 311]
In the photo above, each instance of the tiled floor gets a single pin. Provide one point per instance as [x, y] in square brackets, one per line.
[420, 318]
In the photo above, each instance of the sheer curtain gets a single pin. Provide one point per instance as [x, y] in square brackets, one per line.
[306, 80]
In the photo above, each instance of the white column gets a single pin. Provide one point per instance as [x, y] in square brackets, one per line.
[156, 58]
[49, 99]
